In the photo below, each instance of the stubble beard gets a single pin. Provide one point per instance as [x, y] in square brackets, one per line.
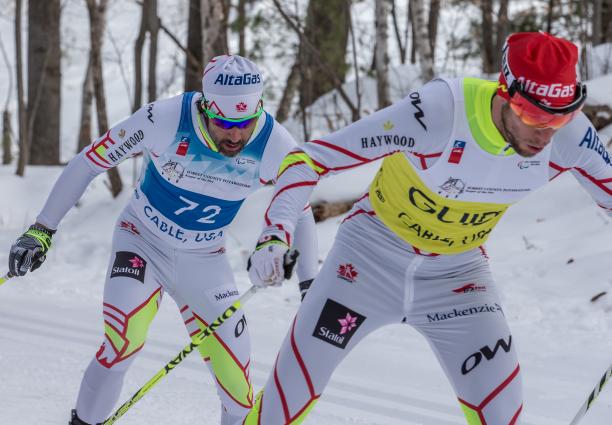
[230, 153]
[509, 137]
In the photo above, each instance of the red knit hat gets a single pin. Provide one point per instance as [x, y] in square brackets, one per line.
[544, 65]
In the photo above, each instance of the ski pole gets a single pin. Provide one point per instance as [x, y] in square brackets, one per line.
[589, 401]
[5, 277]
[195, 342]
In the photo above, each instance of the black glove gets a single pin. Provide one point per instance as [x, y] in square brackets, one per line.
[29, 250]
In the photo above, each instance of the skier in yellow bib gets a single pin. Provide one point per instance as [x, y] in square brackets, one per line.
[457, 154]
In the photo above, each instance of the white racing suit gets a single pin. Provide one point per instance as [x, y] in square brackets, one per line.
[411, 249]
[170, 239]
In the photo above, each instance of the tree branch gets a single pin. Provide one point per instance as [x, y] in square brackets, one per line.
[317, 56]
[190, 57]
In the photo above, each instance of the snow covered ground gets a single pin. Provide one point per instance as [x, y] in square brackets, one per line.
[551, 254]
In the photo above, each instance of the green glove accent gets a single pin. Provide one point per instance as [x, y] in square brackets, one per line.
[42, 235]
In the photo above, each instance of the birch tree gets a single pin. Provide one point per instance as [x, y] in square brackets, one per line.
[421, 40]
[214, 29]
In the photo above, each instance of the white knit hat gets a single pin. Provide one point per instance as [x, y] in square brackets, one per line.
[232, 86]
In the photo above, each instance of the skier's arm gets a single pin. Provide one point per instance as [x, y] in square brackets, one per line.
[400, 127]
[122, 141]
[580, 150]
[306, 244]
[279, 145]
[407, 125]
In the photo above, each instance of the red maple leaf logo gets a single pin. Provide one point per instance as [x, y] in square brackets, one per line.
[470, 287]
[347, 272]
[129, 227]
[137, 263]
[241, 107]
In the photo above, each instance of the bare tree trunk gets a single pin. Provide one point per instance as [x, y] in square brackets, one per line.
[584, 40]
[597, 36]
[214, 29]
[24, 148]
[335, 79]
[293, 81]
[503, 29]
[606, 20]
[326, 28]
[86, 100]
[153, 27]
[422, 40]
[401, 44]
[44, 81]
[138, 47]
[149, 23]
[488, 61]
[413, 48]
[97, 18]
[193, 72]
[355, 63]
[241, 22]
[7, 155]
[382, 55]
[549, 15]
[432, 25]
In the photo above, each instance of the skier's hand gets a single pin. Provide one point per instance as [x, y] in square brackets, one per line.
[29, 250]
[271, 262]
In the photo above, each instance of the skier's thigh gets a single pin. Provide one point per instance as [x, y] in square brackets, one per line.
[475, 347]
[350, 298]
[205, 289]
[341, 308]
[131, 300]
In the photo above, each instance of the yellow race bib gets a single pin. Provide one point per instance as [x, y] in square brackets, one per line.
[425, 219]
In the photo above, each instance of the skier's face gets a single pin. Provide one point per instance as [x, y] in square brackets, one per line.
[527, 141]
[230, 141]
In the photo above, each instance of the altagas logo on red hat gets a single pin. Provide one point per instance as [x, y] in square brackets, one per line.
[544, 65]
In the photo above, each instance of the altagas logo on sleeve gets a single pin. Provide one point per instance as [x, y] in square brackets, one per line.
[237, 80]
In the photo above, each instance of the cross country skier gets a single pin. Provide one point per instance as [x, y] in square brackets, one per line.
[457, 154]
[204, 154]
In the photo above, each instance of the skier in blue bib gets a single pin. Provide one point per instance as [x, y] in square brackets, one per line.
[204, 153]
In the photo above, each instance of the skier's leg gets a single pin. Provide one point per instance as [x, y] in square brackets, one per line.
[351, 297]
[205, 289]
[131, 299]
[460, 314]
